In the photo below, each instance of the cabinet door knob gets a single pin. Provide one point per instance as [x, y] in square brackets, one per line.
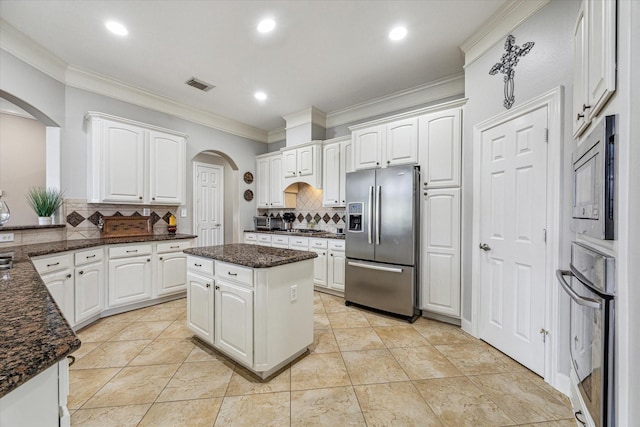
[81, 272]
[217, 287]
[148, 259]
[208, 285]
[377, 163]
[299, 172]
[153, 198]
[140, 197]
[579, 116]
[161, 258]
[68, 276]
[585, 107]
[388, 162]
[331, 254]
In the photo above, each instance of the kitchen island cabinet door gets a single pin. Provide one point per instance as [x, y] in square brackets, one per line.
[234, 321]
[171, 269]
[200, 306]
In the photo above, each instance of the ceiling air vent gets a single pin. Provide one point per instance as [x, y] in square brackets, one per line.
[199, 84]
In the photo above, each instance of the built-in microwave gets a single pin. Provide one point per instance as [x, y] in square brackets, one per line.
[594, 182]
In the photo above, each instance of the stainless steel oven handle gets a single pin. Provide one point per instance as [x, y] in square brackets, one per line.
[586, 302]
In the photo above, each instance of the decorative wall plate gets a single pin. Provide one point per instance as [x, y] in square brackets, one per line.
[248, 195]
[248, 177]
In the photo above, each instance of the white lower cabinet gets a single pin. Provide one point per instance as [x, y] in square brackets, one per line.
[200, 305]
[89, 284]
[441, 251]
[336, 265]
[57, 274]
[320, 267]
[233, 322]
[171, 268]
[129, 274]
[41, 401]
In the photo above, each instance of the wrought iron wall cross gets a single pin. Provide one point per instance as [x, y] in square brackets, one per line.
[507, 64]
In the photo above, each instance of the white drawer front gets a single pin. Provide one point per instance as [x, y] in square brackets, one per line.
[250, 237]
[300, 243]
[200, 265]
[281, 240]
[317, 244]
[336, 245]
[86, 257]
[264, 238]
[173, 246]
[130, 250]
[234, 272]
[53, 263]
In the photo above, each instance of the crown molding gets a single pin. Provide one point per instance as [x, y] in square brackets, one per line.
[505, 20]
[306, 116]
[27, 50]
[276, 135]
[94, 82]
[418, 95]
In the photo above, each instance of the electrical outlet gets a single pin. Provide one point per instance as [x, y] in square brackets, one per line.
[183, 212]
[6, 237]
[293, 293]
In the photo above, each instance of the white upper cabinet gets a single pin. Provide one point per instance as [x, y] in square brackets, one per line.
[393, 143]
[303, 164]
[131, 162]
[402, 142]
[167, 168]
[270, 183]
[336, 163]
[440, 148]
[594, 61]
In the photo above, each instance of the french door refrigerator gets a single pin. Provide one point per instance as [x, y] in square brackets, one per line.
[383, 217]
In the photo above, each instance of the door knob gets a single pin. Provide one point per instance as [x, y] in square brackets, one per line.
[485, 247]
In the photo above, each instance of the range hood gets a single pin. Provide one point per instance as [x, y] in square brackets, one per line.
[305, 126]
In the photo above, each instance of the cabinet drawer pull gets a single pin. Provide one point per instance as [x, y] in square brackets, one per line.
[198, 265]
[579, 116]
[132, 251]
[174, 247]
[90, 256]
[585, 107]
[53, 265]
[232, 274]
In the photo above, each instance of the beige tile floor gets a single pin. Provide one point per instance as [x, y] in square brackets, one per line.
[364, 369]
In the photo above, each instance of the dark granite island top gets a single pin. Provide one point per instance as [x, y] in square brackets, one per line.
[253, 256]
[34, 335]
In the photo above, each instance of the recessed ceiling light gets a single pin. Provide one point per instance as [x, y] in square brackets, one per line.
[260, 96]
[398, 33]
[266, 25]
[117, 28]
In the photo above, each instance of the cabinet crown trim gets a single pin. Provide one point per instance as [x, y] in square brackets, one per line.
[97, 115]
[426, 110]
[306, 144]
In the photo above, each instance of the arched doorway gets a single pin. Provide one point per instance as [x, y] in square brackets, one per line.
[215, 201]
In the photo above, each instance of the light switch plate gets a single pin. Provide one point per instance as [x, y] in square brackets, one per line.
[6, 237]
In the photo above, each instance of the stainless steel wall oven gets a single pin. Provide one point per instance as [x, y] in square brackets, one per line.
[591, 286]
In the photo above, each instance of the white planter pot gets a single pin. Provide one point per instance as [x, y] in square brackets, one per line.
[45, 220]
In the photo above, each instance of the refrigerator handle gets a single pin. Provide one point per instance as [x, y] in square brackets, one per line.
[378, 204]
[370, 216]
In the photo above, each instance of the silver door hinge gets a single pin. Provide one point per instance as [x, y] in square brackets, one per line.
[546, 135]
[544, 234]
[544, 334]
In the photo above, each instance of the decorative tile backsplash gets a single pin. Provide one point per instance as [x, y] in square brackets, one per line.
[309, 207]
[82, 218]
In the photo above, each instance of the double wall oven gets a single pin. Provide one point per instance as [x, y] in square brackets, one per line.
[590, 280]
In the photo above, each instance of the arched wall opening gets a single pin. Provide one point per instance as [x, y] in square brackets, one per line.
[231, 200]
[29, 156]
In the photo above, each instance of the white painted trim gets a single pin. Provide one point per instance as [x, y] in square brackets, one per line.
[505, 20]
[96, 114]
[305, 117]
[553, 101]
[52, 157]
[196, 194]
[276, 135]
[458, 103]
[430, 92]
[25, 49]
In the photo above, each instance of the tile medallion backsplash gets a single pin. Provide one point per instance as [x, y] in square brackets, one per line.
[309, 211]
[82, 218]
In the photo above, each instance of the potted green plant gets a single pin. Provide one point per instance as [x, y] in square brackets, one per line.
[45, 202]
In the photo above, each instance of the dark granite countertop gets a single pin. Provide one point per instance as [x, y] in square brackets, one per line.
[253, 256]
[318, 235]
[29, 227]
[34, 335]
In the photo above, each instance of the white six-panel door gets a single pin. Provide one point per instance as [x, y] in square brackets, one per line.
[209, 205]
[512, 230]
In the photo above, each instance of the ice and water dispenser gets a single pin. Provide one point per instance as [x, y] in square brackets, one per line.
[354, 216]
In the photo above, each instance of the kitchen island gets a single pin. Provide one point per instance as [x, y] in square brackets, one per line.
[252, 303]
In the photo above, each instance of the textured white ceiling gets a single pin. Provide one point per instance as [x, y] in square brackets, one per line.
[326, 54]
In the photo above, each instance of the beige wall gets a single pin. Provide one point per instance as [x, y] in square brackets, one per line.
[22, 164]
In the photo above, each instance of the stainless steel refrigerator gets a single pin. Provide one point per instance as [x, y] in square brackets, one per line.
[382, 231]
